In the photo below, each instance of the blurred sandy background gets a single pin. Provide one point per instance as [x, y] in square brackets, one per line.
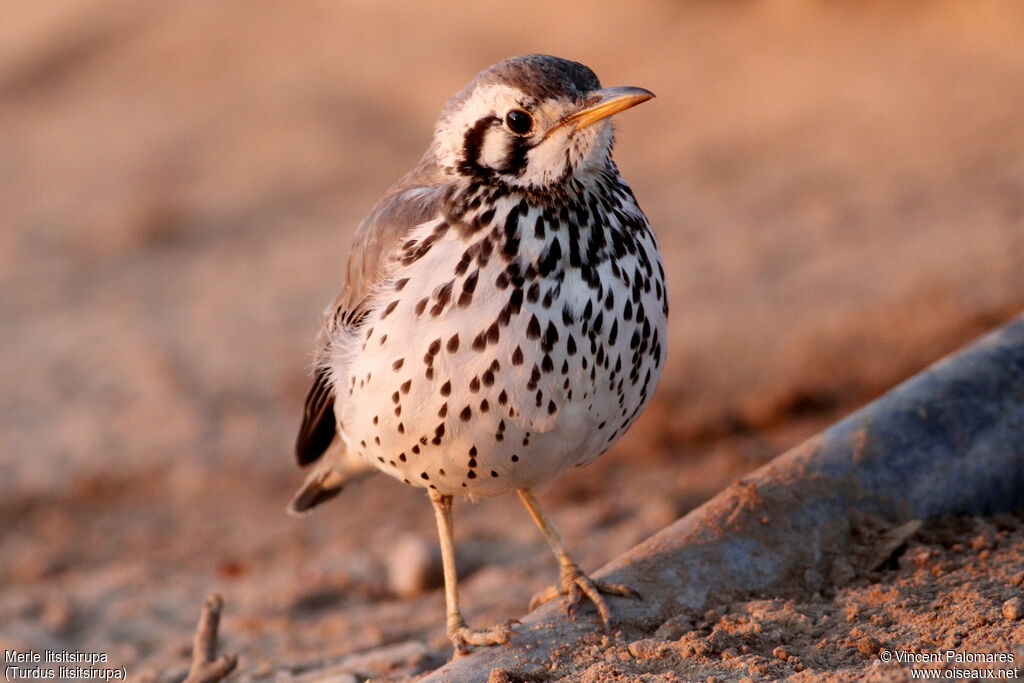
[838, 189]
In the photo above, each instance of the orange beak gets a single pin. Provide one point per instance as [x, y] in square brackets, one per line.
[604, 103]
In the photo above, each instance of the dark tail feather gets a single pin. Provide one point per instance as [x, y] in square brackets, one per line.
[316, 490]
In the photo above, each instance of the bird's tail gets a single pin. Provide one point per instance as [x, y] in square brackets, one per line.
[318, 487]
[325, 482]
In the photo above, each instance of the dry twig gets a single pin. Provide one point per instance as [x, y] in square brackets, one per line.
[207, 667]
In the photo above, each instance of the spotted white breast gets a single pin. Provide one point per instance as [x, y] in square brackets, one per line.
[509, 340]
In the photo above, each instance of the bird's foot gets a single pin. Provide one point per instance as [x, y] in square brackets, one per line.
[465, 639]
[577, 585]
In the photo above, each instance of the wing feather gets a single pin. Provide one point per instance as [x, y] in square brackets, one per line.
[373, 249]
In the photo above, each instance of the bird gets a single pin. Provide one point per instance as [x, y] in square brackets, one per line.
[503, 316]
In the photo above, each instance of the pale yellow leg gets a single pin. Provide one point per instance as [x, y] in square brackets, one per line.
[461, 635]
[574, 583]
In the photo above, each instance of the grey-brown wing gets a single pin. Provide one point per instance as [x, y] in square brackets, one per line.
[375, 243]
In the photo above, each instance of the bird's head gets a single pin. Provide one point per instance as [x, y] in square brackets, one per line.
[530, 122]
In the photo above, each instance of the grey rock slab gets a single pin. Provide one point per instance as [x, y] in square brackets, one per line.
[949, 440]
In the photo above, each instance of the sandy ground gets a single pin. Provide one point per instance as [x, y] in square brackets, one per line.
[953, 587]
[839, 191]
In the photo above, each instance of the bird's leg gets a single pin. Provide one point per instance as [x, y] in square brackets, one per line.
[574, 583]
[461, 635]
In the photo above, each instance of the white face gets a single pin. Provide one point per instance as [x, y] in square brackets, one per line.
[481, 139]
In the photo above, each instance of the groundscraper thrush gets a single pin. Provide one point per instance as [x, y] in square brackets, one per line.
[503, 316]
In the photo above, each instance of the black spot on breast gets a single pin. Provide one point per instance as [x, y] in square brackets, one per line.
[534, 378]
[538, 227]
[463, 265]
[515, 301]
[550, 259]
[511, 242]
[533, 328]
[533, 293]
[483, 254]
[438, 434]
[442, 297]
[468, 287]
[550, 336]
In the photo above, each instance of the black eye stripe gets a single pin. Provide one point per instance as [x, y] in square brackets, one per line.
[473, 143]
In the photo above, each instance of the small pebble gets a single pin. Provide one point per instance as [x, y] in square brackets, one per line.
[414, 567]
[1013, 609]
[499, 676]
[57, 615]
[781, 653]
[868, 646]
[712, 616]
[344, 677]
[648, 647]
[675, 628]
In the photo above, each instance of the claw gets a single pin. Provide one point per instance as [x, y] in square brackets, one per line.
[546, 595]
[576, 585]
[575, 596]
[465, 639]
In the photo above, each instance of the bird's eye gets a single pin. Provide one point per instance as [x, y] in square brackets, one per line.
[519, 121]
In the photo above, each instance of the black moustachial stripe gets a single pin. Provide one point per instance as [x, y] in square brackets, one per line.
[515, 161]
